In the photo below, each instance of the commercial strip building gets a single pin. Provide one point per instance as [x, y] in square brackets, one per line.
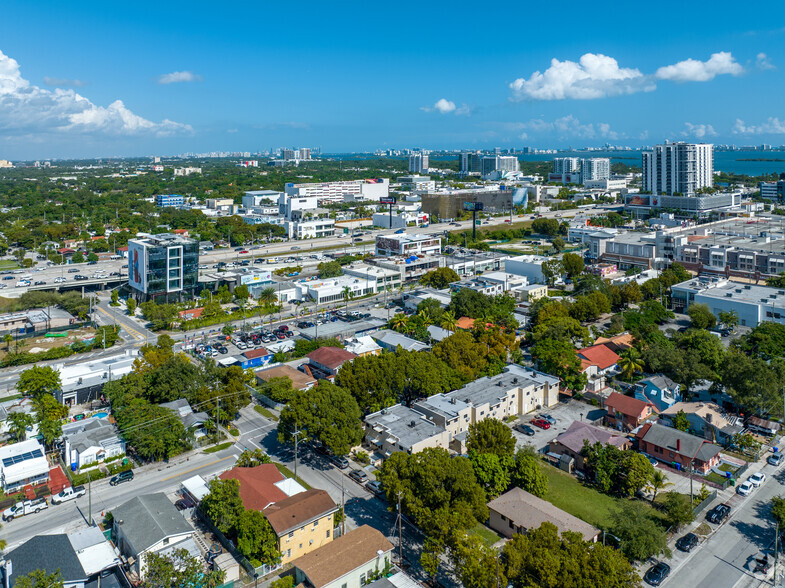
[678, 169]
[169, 200]
[772, 190]
[83, 382]
[700, 205]
[163, 267]
[753, 304]
[408, 245]
[364, 190]
[417, 183]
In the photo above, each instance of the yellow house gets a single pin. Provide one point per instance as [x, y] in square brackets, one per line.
[303, 522]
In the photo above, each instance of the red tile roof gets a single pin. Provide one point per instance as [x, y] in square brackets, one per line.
[251, 354]
[330, 357]
[191, 313]
[599, 355]
[626, 405]
[257, 485]
[465, 323]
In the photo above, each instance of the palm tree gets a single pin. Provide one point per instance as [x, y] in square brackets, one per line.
[398, 322]
[659, 481]
[8, 340]
[630, 363]
[267, 295]
[449, 321]
[347, 294]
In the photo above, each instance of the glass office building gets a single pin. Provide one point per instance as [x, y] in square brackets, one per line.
[163, 267]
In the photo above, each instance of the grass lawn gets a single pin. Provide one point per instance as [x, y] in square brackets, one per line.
[486, 535]
[290, 474]
[265, 412]
[220, 447]
[716, 478]
[584, 502]
[7, 264]
[726, 467]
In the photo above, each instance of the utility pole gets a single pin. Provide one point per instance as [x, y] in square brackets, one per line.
[776, 552]
[343, 511]
[217, 410]
[296, 434]
[400, 532]
[89, 499]
[691, 499]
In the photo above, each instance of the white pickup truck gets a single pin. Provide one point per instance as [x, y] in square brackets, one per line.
[21, 509]
[70, 493]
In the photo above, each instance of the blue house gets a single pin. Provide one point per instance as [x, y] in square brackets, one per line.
[660, 390]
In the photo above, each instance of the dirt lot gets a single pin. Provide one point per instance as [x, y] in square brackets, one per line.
[39, 344]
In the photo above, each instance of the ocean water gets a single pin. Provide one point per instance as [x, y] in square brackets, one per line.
[727, 161]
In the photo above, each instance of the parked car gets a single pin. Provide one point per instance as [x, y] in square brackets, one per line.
[525, 429]
[375, 486]
[27, 507]
[687, 542]
[125, 476]
[548, 418]
[657, 573]
[358, 476]
[70, 493]
[184, 503]
[760, 563]
[399, 231]
[757, 479]
[775, 459]
[340, 461]
[718, 514]
[745, 488]
[541, 423]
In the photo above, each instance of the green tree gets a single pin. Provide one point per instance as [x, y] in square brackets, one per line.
[251, 459]
[659, 481]
[440, 278]
[678, 509]
[18, 422]
[92, 257]
[463, 354]
[491, 472]
[448, 321]
[130, 305]
[38, 381]
[778, 510]
[701, 316]
[178, 568]
[256, 539]
[476, 563]
[552, 269]
[40, 579]
[527, 472]
[267, 296]
[8, 339]
[641, 536]
[241, 293]
[49, 416]
[77, 257]
[559, 244]
[329, 269]
[154, 431]
[490, 436]
[546, 226]
[223, 504]
[573, 264]
[729, 318]
[681, 422]
[326, 413]
[278, 389]
[115, 298]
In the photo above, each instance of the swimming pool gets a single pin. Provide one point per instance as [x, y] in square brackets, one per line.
[101, 415]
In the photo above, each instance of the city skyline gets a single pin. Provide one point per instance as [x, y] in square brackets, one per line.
[94, 80]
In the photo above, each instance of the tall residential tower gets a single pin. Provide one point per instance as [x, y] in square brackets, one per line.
[678, 168]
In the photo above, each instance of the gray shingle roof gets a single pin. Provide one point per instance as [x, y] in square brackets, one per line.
[659, 381]
[680, 442]
[148, 519]
[48, 552]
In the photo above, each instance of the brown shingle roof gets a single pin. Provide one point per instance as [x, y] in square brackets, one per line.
[295, 511]
[527, 511]
[257, 485]
[339, 557]
[330, 357]
[300, 381]
[578, 432]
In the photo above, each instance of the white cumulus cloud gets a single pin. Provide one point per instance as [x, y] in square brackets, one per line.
[772, 126]
[698, 131]
[444, 106]
[179, 77]
[692, 70]
[593, 76]
[29, 109]
[762, 61]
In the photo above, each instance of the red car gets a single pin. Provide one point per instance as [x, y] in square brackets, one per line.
[542, 423]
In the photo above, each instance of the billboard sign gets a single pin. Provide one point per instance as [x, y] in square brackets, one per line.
[472, 206]
[137, 266]
[387, 200]
[257, 278]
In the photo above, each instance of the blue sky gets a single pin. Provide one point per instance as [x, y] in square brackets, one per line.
[85, 79]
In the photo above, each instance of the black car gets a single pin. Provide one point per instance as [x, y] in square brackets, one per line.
[125, 476]
[657, 573]
[184, 503]
[687, 542]
[525, 429]
[718, 514]
[92, 263]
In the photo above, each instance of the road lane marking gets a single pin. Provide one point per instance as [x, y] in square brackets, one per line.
[196, 468]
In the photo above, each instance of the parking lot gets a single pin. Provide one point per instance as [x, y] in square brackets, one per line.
[565, 413]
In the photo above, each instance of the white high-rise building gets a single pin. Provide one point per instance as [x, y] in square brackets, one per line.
[678, 168]
[494, 163]
[471, 162]
[566, 165]
[596, 168]
[418, 162]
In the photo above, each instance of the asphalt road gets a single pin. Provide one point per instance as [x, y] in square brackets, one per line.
[721, 561]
